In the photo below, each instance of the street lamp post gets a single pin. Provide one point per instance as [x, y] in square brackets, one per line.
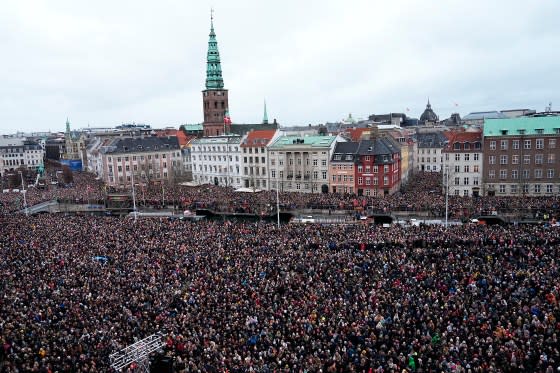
[277, 205]
[24, 192]
[446, 194]
[134, 197]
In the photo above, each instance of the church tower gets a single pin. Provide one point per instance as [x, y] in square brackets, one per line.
[214, 97]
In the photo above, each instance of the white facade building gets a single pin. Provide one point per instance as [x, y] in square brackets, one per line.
[216, 160]
[430, 146]
[254, 158]
[463, 161]
[301, 164]
[20, 153]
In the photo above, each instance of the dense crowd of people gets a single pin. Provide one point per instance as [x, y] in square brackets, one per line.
[249, 297]
[423, 193]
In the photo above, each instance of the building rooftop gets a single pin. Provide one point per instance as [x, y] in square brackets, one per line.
[139, 144]
[481, 115]
[258, 138]
[345, 148]
[313, 141]
[431, 140]
[522, 125]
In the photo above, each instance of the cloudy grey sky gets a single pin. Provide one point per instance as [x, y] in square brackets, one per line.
[107, 62]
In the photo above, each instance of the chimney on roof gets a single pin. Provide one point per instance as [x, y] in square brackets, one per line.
[374, 132]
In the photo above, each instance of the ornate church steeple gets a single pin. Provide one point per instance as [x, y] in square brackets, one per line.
[214, 97]
[265, 116]
[214, 78]
[67, 126]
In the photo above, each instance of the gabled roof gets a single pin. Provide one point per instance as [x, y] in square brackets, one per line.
[431, 140]
[258, 138]
[138, 144]
[343, 149]
[355, 134]
[463, 137]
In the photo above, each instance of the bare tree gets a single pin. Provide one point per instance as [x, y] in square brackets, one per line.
[67, 175]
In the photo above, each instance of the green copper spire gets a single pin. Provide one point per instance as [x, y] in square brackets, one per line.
[265, 116]
[214, 78]
[67, 125]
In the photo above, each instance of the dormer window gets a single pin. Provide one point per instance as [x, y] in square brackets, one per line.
[504, 132]
[521, 132]
[456, 146]
[539, 131]
[467, 146]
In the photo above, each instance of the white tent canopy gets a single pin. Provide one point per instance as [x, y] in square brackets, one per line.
[248, 190]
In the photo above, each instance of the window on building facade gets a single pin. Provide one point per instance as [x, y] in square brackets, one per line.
[492, 159]
[475, 168]
[324, 174]
[457, 168]
[538, 158]
[513, 188]
[551, 158]
[549, 188]
[527, 144]
[385, 180]
[514, 174]
[492, 145]
[527, 159]
[502, 188]
[537, 188]
[539, 143]
[466, 168]
[503, 144]
[550, 173]
[514, 159]
[503, 159]
[475, 180]
[457, 157]
[503, 174]
[491, 174]
[538, 173]
[515, 144]
[552, 143]
[323, 162]
[360, 180]
[525, 174]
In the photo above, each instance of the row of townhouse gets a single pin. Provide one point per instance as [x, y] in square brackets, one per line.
[17, 153]
[507, 157]
[123, 160]
[370, 167]
[271, 160]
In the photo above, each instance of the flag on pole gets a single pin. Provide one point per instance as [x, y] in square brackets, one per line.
[227, 119]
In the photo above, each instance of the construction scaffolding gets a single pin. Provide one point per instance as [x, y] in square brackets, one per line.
[137, 353]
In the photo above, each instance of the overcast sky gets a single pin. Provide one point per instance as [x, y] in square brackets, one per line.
[108, 62]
